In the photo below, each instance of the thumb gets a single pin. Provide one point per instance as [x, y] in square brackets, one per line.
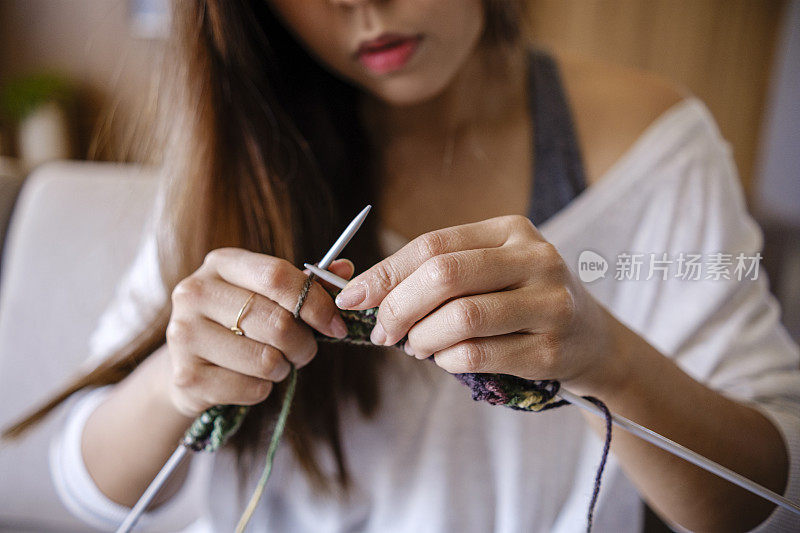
[344, 268]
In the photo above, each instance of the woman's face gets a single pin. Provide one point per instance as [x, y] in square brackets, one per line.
[402, 51]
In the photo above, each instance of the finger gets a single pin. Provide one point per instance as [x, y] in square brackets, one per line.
[370, 287]
[448, 276]
[483, 315]
[262, 320]
[524, 355]
[343, 268]
[281, 282]
[215, 385]
[216, 344]
[220, 346]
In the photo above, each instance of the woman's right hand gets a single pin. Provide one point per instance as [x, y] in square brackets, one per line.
[212, 365]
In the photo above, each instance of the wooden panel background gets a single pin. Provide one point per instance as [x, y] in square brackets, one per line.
[720, 49]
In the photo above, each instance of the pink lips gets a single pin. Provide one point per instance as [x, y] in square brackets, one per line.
[387, 53]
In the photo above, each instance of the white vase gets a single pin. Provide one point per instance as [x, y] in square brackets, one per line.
[44, 135]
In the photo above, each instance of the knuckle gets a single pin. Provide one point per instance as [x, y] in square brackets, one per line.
[188, 290]
[473, 357]
[391, 311]
[431, 244]
[514, 220]
[267, 358]
[518, 223]
[281, 322]
[443, 270]
[523, 224]
[563, 308]
[274, 273]
[470, 315]
[211, 257]
[549, 355]
[548, 253]
[548, 257]
[179, 332]
[215, 256]
[184, 374]
[384, 276]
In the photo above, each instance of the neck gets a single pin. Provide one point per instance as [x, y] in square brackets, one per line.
[490, 87]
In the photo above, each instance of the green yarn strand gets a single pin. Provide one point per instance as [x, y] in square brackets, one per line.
[277, 433]
[216, 425]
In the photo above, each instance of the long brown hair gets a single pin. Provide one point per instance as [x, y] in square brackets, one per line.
[265, 153]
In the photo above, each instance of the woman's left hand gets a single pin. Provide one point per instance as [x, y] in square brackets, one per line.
[491, 297]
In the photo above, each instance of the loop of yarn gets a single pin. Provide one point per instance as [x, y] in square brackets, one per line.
[213, 427]
[217, 424]
[497, 389]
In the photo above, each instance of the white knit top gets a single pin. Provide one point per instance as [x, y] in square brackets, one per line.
[433, 460]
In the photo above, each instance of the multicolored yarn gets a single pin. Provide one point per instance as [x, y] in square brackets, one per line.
[497, 389]
[216, 425]
[213, 427]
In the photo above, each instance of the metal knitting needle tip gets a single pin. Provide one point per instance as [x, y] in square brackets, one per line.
[327, 275]
[344, 238]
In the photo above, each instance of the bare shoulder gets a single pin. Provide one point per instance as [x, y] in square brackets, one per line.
[612, 106]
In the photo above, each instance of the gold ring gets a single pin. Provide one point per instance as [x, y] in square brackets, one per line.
[236, 329]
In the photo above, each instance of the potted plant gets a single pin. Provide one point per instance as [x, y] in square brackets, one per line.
[38, 105]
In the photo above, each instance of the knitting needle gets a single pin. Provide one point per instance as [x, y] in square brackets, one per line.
[166, 471]
[681, 451]
[133, 515]
[344, 238]
[638, 430]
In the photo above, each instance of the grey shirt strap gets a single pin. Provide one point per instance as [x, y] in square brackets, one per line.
[558, 174]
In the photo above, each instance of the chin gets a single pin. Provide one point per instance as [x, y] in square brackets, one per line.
[407, 90]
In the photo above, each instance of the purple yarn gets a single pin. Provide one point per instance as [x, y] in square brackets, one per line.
[496, 389]
[484, 388]
[500, 389]
[606, 448]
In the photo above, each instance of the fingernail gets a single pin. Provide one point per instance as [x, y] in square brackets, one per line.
[338, 327]
[407, 349]
[351, 296]
[343, 261]
[378, 335]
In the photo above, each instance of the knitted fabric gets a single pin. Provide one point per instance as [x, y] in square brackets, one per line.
[217, 424]
[559, 178]
[496, 389]
[213, 427]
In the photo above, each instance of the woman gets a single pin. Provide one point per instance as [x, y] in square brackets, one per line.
[289, 117]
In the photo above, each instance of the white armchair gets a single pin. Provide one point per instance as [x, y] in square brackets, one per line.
[74, 230]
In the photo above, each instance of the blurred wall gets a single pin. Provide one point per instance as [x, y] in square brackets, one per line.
[720, 49]
[91, 42]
